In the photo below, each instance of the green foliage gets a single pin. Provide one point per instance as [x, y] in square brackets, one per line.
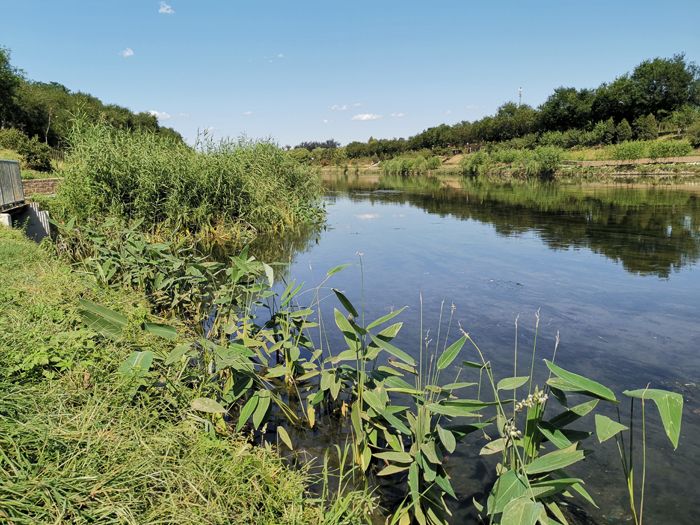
[410, 165]
[654, 149]
[693, 133]
[646, 127]
[35, 155]
[623, 131]
[542, 162]
[146, 177]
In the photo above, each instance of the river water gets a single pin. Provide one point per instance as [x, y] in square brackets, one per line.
[614, 270]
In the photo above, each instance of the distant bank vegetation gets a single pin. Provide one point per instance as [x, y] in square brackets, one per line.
[660, 97]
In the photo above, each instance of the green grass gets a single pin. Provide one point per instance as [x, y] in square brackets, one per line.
[78, 447]
[141, 176]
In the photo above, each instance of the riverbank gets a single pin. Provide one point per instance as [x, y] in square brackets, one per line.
[80, 447]
[641, 171]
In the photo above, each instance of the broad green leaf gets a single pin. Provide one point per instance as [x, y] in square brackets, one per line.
[177, 353]
[428, 449]
[573, 413]
[137, 364]
[447, 439]
[284, 436]
[261, 409]
[396, 422]
[554, 460]
[522, 511]
[582, 383]
[103, 320]
[392, 469]
[346, 303]
[670, 406]
[205, 404]
[508, 487]
[247, 411]
[450, 354]
[511, 383]
[374, 400]
[385, 318]
[396, 457]
[605, 428]
[391, 349]
[444, 483]
[493, 447]
[161, 330]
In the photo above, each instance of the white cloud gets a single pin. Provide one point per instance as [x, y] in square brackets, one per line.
[398, 114]
[247, 113]
[280, 55]
[160, 115]
[166, 9]
[126, 53]
[366, 116]
[339, 107]
[357, 104]
[325, 121]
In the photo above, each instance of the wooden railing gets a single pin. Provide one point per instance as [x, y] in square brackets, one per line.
[11, 191]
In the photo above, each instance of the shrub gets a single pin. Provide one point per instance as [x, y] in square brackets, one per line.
[139, 175]
[646, 127]
[12, 138]
[476, 164]
[37, 155]
[693, 133]
[669, 148]
[623, 132]
[628, 150]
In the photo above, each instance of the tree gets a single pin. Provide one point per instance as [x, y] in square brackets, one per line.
[623, 131]
[10, 80]
[664, 84]
[646, 127]
[566, 108]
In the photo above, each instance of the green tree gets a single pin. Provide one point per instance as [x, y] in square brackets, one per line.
[623, 131]
[566, 108]
[646, 127]
[10, 80]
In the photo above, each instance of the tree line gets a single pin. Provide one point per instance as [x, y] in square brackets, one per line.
[658, 92]
[44, 110]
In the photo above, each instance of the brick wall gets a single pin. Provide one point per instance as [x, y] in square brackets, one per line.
[40, 186]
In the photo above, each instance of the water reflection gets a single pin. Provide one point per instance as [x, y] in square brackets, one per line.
[649, 231]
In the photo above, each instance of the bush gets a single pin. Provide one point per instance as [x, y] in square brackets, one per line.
[476, 164]
[12, 138]
[629, 150]
[549, 160]
[37, 155]
[623, 132]
[140, 175]
[693, 133]
[669, 148]
[646, 127]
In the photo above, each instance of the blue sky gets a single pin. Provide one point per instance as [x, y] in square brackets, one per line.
[348, 70]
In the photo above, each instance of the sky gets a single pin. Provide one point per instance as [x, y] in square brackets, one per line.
[311, 70]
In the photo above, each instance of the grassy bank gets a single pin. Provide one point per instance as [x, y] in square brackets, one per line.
[79, 447]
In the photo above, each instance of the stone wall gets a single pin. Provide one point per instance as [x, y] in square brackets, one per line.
[40, 186]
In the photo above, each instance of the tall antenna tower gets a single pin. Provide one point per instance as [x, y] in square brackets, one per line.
[520, 96]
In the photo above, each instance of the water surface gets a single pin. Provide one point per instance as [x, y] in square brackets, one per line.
[613, 270]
